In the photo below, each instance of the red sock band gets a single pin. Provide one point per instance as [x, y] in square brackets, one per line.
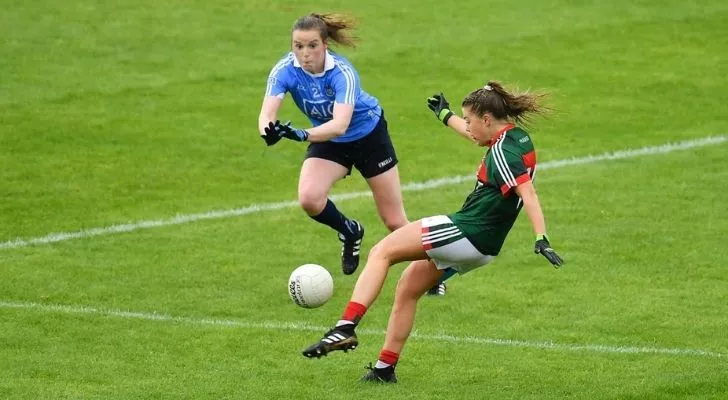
[388, 357]
[354, 312]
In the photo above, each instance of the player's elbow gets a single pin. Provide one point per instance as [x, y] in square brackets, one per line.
[340, 127]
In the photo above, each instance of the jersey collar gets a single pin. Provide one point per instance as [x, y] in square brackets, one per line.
[500, 133]
[329, 64]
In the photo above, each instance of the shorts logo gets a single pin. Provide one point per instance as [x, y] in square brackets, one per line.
[385, 162]
[524, 139]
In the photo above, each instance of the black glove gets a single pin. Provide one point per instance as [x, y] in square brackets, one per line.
[275, 131]
[271, 136]
[440, 107]
[543, 247]
[289, 132]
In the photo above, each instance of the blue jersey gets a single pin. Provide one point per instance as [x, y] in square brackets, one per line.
[315, 94]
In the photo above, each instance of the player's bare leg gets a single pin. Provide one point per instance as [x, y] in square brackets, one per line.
[401, 245]
[404, 244]
[388, 198]
[414, 282]
[317, 177]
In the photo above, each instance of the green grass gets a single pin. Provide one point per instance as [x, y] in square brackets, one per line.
[114, 113]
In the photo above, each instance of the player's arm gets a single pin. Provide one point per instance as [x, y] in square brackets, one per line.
[345, 84]
[336, 127]
[275, 91]
[439, 105]
[458, 125]
[528, 195]
[346, 88]
[531, 205]
[279, 83]
[268, 112]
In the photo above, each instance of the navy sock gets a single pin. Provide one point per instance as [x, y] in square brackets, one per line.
[332, 217]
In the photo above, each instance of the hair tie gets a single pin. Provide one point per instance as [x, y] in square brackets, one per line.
[488, 87]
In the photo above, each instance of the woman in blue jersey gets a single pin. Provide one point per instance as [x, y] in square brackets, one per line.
[348, 129]
[444, 245]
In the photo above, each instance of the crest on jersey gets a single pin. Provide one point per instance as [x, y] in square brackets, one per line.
[329, 91]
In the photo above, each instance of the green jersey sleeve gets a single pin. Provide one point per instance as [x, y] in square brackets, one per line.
[511, 165]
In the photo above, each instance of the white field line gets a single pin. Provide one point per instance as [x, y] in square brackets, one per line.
[409, 187]
[274, 325]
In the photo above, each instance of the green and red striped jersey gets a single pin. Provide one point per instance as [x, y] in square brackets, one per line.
[492, 207]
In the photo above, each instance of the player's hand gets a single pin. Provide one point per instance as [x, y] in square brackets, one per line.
[543, 247]
[272, 135]
[289, 132]
[439, 105]
[275, 131]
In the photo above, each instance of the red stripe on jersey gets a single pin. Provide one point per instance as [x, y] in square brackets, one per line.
[483, 172]
[500, 133]
[529, 159]
[521, 179]
[426, 230]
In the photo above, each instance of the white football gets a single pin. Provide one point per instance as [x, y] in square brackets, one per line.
[310, 286]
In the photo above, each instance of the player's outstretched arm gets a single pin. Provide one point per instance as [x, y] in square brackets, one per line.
[336, 127]
[275, 131]
[268, 112]
[533, 209]
[439, 105]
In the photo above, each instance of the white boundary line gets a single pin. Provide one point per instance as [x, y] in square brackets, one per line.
[274, 325]
[409, 187]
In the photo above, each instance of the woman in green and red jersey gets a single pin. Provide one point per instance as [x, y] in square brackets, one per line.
[443, 245]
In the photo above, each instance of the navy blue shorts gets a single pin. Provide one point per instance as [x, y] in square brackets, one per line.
[372, 155]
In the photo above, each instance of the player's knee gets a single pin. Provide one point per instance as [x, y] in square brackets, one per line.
[394, 223]
[380, 251]
[311, 202]
[393, 218]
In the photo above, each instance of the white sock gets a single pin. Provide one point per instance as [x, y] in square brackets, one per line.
[343, 322]
[381, 364]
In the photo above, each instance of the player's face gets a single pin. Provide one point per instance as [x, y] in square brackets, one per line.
[477, 127]
[309, 49]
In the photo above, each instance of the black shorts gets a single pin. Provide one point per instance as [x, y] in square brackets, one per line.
[371, 155]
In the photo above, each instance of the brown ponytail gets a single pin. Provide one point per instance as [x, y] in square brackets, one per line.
[493, 98]
[330, 26]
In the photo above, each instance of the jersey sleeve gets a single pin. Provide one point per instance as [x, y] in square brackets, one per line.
[278, 81]
[510, 168]
[346, 85]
